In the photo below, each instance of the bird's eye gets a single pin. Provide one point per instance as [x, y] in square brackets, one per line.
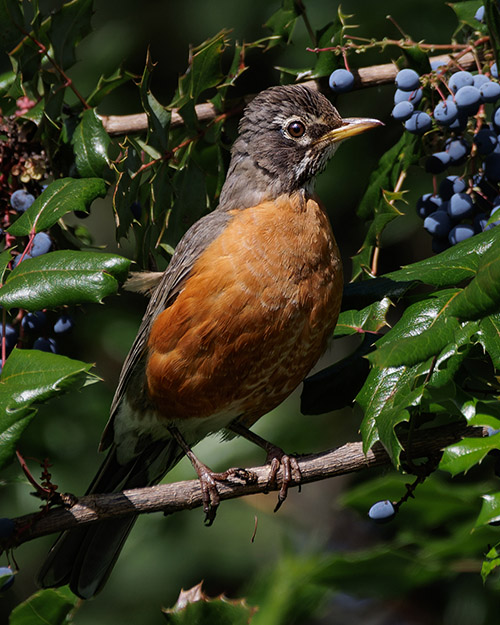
[296, 129]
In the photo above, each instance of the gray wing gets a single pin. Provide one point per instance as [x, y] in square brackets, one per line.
[189, 249]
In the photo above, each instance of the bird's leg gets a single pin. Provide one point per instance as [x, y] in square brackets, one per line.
[276, 457]
[208, 478]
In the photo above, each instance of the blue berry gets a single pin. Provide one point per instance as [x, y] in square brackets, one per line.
[41, 244]
[451, 185]
[18, 260]
[418, 123]
[494, 70]
[11, 336]
[479, 222]
[34, 321]
[408, 96]
[490, 91]
[445, 112]
[21, 200]
[438, 223]
[437, 162]
[479, 16]
[63, 324]
[428, 204]
[496, 120]
[459, 80]
[460, 206]
[6, 578]
[341, 80]
[435, 65]
[460, 233]
[382, 511]
[458, 150]
[45, 345]
[491, 431]
[407, 80]
[479, 80]
[7, 527]
[485, 141]
[460, 123]
[468, 99]
[402, 111]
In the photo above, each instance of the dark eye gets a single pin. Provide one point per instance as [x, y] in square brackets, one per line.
[296, 129]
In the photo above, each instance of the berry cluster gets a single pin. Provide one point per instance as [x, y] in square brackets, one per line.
[457, 114]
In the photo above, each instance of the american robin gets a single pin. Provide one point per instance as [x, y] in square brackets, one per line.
[235, 323]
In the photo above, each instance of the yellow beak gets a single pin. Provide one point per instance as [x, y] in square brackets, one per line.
[350, 127]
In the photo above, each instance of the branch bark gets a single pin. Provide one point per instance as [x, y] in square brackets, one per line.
[170, 498]
[365, 77]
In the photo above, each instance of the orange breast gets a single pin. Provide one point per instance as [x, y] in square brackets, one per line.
[253, 317]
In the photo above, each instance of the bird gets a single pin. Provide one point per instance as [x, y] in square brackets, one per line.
[234, 324]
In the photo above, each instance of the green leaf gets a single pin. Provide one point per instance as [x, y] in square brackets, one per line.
[328, 36]
[282, 23]
[489, 337]
[5, 258]
[158, 115]
[465, 12]
[461, 456]
[107, 84]
[59, 198]
[369, 319]
[482, 296]
[68, 27]
[30, 377]
[205, 69]
[492, 26]
[491, 562]
[43, 608]
[490, 510]
[63, 278]
[12, 20]
[456, 264]
[90, 142]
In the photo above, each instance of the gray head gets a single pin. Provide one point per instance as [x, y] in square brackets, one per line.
[286, 137]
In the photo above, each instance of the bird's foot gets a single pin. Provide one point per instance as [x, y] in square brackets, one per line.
[290, 470]
[209, 491]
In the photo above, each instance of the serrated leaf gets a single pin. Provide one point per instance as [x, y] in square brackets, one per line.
[481, 296]
[30, 377]
[205, 71]
[5, 258]
[63, 278]
[107, 84]
[461, 456]
[490, 510]
[489, 337]
[466, 10]
[363, 293]
[12, 21]
[90, 142]
[326, 61]
[282, 23]
[369, 319]
[158, 115]
[491, 562]
[59, 198]
[44, 607]
[68, 26]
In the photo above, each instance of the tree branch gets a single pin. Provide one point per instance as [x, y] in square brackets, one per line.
[169, 498]
[365, 77]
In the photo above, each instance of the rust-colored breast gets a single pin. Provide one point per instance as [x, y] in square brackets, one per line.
[253, 317]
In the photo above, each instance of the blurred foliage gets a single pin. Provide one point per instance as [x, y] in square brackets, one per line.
[436, 364]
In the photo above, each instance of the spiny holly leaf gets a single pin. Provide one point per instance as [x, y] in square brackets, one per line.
[69, 25]
[30, 377]
[423, 331]
[482, 296]
[489, 337]
[491, 562]
[5, 258]
[44, 607]
[193, 606]
[461, 456]
[158, 115]
[361, 294]
[12, 21]
[326, 61]
[369, 319]
[63, 277]
[204, 66]
[90, 142]
[465, 12]
[282, 23]
[59, 198]
[490, 510]
[127, 188]
[107, 84]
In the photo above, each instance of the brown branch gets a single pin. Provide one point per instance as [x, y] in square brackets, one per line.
[169, 498]
[365, 77]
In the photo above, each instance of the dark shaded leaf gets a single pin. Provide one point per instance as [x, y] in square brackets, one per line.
[69, 25]
[12, 21]
[63, 278]
[158, 115]
[90, 142]
[282, 23]
[489, 337]
[59, 198]
[30, 377]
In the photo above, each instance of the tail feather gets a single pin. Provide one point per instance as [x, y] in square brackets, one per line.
[84, 557]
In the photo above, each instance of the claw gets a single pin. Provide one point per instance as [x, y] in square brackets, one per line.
[209, 491]
[290, 472]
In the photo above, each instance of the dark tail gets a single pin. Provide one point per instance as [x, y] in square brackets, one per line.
[84, 557]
